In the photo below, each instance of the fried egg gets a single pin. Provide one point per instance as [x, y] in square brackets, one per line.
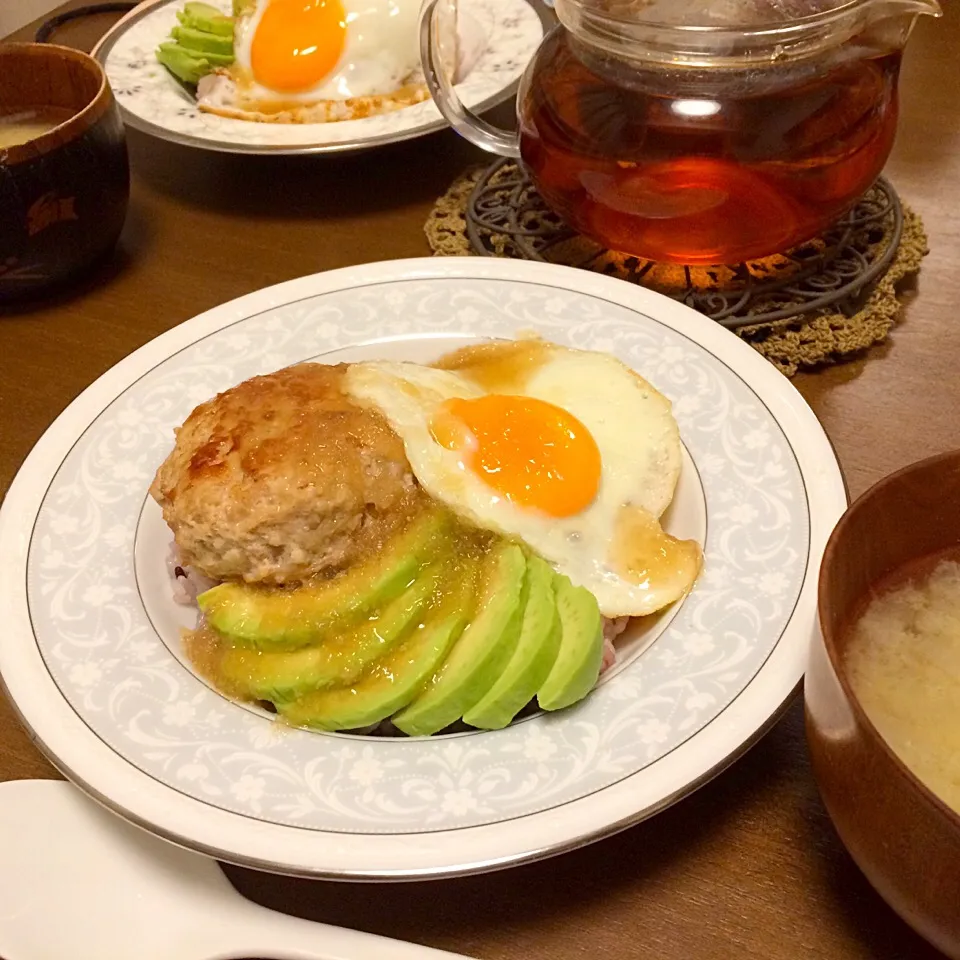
[326, 49]
[311, 61]
[567, 450]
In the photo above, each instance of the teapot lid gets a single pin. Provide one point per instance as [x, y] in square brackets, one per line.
[733, 14]
[732, 32]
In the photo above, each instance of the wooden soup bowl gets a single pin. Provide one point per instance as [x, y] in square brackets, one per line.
[63, 196]
[904, 839]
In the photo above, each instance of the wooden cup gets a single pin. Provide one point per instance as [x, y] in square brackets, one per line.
[902, 837]
[64, 195]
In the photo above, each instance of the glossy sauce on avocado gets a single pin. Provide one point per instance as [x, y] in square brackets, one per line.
[351, 649]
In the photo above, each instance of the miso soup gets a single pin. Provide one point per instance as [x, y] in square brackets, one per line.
[26, 125]
[904, 664]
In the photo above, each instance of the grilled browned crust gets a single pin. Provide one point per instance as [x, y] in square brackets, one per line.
[282, 478]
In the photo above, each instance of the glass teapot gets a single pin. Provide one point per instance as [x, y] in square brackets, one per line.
[699, 131]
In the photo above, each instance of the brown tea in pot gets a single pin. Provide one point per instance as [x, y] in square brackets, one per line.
[700, 131]
[679, 171]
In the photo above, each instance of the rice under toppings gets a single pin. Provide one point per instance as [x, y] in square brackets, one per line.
[187, 583]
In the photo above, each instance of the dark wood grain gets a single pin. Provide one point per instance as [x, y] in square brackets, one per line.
[749, 866]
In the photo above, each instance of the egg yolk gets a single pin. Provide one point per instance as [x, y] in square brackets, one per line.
[297, 43]
[531, 452]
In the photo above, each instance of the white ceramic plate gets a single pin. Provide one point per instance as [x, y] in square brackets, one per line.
[152, 101]
[91, 655]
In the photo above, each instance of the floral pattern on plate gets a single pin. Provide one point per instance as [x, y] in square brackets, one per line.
[106, 624]
[149, 95]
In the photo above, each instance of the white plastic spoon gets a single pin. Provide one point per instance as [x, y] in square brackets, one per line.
[78, 882]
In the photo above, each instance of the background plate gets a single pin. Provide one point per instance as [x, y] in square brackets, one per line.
[152, 101]
[92, 658]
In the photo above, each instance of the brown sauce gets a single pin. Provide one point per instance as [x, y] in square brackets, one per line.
[204, 649]
[502, 366]
[644, 552]
[457, 554]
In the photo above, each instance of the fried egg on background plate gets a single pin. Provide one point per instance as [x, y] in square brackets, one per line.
[567, 450]
[313, 61]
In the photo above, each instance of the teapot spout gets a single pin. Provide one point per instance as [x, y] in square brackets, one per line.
[889, 23]
[881, 9]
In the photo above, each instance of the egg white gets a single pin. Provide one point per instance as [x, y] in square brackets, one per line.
[633, 427]
[381, 53]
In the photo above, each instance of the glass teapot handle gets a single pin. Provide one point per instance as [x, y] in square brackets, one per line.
[440, 83]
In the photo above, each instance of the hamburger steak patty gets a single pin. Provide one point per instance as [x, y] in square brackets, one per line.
[282, 478]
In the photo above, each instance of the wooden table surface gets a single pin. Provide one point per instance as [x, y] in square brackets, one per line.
[749, 866]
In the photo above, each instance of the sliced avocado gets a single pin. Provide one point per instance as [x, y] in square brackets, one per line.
[212, 59]
[286, 619]
[536, 651]
[395, 679]
[183, 64]
[203, 16]
[480, 654]
[203, 43]
[575, 671]
[338, 659]
[240, 7]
